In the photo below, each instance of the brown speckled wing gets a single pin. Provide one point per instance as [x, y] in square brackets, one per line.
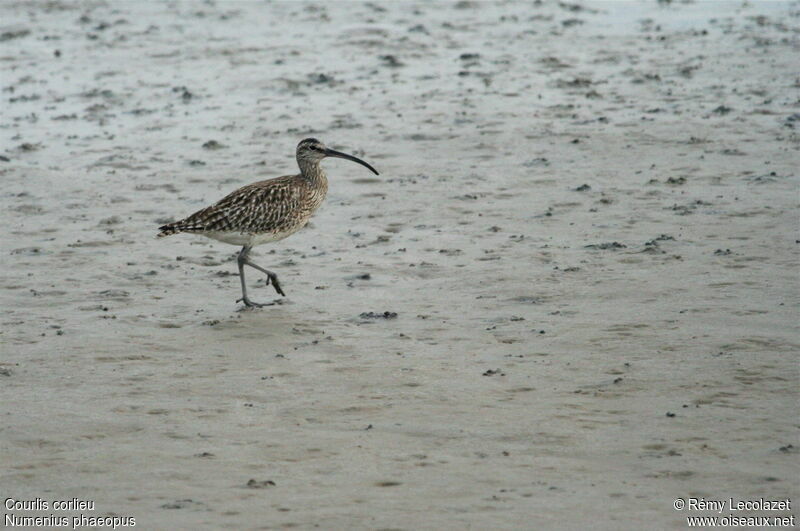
[263, 207]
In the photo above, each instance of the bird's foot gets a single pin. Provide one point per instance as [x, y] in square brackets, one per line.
[273, 279]
[250, 304]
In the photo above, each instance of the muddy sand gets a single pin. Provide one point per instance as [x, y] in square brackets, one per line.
[584, 232]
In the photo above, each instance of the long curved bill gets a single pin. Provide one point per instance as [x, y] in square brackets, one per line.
[339, 154]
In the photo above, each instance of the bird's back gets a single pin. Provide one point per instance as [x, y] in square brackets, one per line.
[272, 209]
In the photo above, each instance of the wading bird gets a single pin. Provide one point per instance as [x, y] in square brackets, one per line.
[265, 211]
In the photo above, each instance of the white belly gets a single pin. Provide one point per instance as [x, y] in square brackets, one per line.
[251, 240]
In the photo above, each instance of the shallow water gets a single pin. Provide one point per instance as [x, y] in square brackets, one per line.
[584, 224]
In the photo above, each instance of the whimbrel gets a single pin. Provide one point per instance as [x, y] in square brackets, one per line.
[265, 211]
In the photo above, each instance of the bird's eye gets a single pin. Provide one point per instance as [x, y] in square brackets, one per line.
[313, 148]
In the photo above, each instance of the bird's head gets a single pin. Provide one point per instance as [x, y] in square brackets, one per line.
[312, 151]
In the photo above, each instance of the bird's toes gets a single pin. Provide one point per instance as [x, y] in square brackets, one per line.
[249, 304]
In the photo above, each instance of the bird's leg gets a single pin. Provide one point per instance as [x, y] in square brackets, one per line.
[270, 275]
[241, 261]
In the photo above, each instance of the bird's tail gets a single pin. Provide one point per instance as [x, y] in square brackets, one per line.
[169, 229]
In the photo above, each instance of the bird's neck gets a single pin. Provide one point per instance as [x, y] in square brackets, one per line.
[312, 172]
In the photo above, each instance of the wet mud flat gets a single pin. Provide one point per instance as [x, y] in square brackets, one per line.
[570, 298]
